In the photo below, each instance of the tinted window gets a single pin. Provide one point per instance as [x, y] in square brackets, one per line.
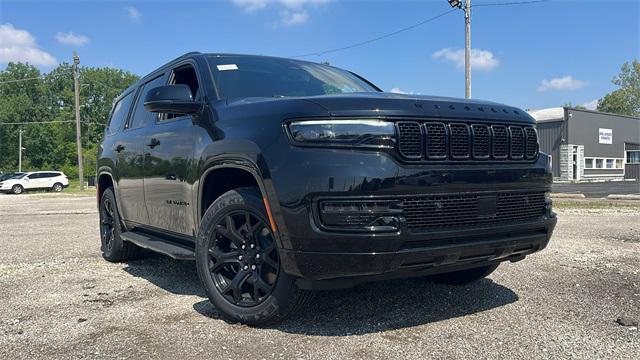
[35, 176]
[119, 114]
[141, 117]
[240, 77]
[185, 75]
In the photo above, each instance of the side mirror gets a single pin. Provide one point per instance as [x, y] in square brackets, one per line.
[172, 99]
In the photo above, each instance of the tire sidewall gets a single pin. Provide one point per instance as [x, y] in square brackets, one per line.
[272, 307]
[117, 244]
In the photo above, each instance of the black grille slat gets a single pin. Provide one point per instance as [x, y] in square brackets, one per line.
[459, 141]
[481, 141]
[517, 142]
[500, 142]
[436, 134]
[410, 139]
[455, 211]
[532, 142]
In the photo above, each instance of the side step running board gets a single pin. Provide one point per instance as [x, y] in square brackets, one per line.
[159, 245]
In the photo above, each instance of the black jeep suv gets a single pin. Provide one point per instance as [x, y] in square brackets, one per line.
[280, 176]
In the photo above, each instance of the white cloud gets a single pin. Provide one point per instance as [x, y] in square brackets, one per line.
[290, 18]
[397, 90]
[480, 59]
[591, 105]
[567, 83]
[70, 38]
[294, 12]
[250, 5]
[18, 45]
[133, 13]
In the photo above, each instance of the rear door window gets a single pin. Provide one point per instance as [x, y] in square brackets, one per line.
[119, 114]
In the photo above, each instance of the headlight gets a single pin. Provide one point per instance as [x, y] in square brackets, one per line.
[348, 133]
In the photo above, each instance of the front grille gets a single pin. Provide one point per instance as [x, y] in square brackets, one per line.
[517, 142]
[410, 143]
[532, 142]
[437, 141]
[460, 141]
[463, 210]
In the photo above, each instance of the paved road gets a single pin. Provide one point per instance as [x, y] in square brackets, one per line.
[599, 189]
[59, 299]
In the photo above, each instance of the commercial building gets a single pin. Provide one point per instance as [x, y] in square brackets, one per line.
[588, 144]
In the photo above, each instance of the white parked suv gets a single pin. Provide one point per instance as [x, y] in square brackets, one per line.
[50, 180]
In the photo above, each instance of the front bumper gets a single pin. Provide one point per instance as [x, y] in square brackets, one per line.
[436, 252]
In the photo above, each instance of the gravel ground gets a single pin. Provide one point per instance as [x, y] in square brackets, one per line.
[59, 299]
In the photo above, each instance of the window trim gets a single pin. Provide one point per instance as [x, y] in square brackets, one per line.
[604, 163]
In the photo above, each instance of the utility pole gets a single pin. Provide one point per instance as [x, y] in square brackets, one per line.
[76, 61]
[467, 49]
[20, 150]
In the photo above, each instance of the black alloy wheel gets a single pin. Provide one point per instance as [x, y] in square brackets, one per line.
[243, 259]
[107, 224]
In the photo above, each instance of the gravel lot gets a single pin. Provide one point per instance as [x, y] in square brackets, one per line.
[59, 299]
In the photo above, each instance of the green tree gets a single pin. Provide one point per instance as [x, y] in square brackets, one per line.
[626, 99]
[50, 97]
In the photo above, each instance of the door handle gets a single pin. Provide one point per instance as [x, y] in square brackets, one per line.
[153, 143]
[118, 148]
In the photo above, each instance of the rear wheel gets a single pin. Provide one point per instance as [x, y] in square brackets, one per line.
[238, 262]
[464, 276]
[17, 189]
[113, 248]
[57, 187]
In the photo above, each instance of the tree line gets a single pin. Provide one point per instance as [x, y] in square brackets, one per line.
[45, 104]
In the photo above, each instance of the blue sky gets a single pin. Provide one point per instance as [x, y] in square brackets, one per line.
[531, 56]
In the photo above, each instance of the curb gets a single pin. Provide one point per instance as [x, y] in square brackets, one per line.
[623, 197]
[567, 196]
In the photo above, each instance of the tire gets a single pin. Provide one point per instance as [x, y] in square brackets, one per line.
[57, 187]
[265, 294]
[464, 277]
[113, 248]
[17, 189]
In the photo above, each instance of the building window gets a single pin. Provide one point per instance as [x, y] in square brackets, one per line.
[588, 163]
[619, 164]
[609, 163]
[599, 163]
[633, 157]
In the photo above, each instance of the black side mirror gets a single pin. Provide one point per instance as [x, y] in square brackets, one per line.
[172, 99]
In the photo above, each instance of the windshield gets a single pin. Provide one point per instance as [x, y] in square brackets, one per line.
[246, 76]
[19, 176]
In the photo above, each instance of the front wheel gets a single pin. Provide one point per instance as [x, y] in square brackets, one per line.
[238, 262]
[17, 189]
[464, 277]
[113, 248]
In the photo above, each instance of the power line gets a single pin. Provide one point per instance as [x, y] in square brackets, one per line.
[318, 53]
[41, 77]
[47, 122]
[512, 3]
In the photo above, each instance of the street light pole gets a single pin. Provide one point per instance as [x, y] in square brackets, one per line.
[467, 49]
[76, 61]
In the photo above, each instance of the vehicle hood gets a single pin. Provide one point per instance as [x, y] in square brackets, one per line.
[391, 104]
[385, 105]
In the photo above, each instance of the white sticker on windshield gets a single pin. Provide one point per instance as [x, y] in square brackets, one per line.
[227, 67]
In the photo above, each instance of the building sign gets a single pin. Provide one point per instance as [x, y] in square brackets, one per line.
[605, 136]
